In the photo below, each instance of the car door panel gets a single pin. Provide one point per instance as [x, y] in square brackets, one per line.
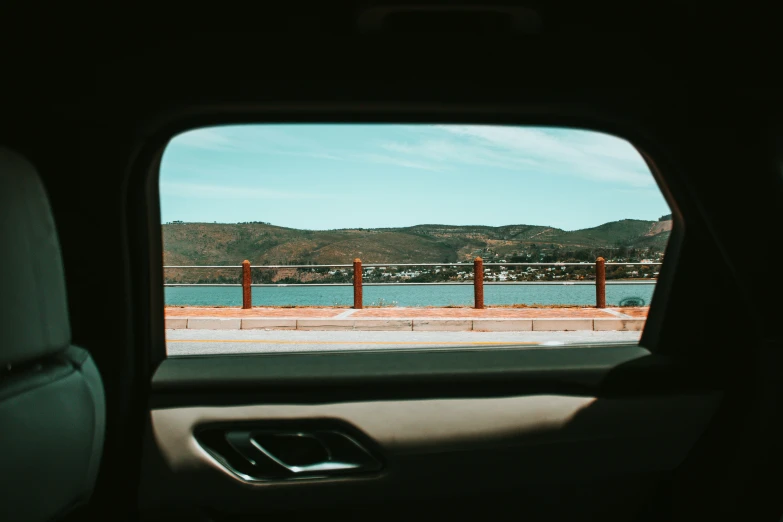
[445, 443]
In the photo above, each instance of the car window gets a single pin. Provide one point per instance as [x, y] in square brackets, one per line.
[298, 237]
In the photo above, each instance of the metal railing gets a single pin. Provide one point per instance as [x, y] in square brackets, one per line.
[600, 282]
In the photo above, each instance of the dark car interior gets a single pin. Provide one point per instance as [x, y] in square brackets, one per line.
[97, 424]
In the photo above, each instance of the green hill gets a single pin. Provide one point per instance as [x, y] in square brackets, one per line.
[261, 243]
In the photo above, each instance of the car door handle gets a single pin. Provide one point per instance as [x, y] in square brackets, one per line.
[280, 455]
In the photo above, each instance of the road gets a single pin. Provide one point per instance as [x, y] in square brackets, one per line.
[203, 342]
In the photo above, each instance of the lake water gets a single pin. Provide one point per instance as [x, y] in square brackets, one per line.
[404, 295]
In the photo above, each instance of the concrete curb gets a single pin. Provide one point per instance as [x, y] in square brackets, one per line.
[416, 325]
[562, 325]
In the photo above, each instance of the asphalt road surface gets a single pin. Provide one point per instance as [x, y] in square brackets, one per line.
[209, 342]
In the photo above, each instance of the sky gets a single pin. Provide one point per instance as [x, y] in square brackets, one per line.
[322, 177]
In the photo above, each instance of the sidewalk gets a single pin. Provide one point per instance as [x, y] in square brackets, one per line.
[498, 319]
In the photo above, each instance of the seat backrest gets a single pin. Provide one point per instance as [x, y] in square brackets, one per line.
[52, 410]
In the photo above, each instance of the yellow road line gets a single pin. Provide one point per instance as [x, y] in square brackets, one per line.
[272, 341]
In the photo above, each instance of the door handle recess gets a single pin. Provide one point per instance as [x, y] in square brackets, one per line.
[281, 455]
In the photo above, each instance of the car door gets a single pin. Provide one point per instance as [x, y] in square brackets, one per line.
[454, 432]
[542, 433]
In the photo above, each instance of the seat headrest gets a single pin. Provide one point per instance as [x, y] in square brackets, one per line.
[33, 305]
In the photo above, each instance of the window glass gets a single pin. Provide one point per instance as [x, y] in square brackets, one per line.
[406, 236]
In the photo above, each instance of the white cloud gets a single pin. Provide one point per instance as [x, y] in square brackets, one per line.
[215, 192]
[449, 153]
[535, 151]
[208, 138]
[307, 154]
[261, 139]
[398, 160]
[509, 138]
[584, 154]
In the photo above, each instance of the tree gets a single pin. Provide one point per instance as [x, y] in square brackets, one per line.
[618, 273]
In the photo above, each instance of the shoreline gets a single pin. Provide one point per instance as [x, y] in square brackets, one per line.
[348, 307]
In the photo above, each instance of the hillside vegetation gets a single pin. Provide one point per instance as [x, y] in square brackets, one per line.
[262, 243]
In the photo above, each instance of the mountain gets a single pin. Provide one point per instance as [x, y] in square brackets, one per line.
[263, 243]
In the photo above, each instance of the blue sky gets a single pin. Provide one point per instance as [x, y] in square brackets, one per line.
[343, 176]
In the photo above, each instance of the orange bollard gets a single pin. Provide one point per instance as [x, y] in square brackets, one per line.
[247, 298]
[357, 283]
[600, 283]
[478, 283]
